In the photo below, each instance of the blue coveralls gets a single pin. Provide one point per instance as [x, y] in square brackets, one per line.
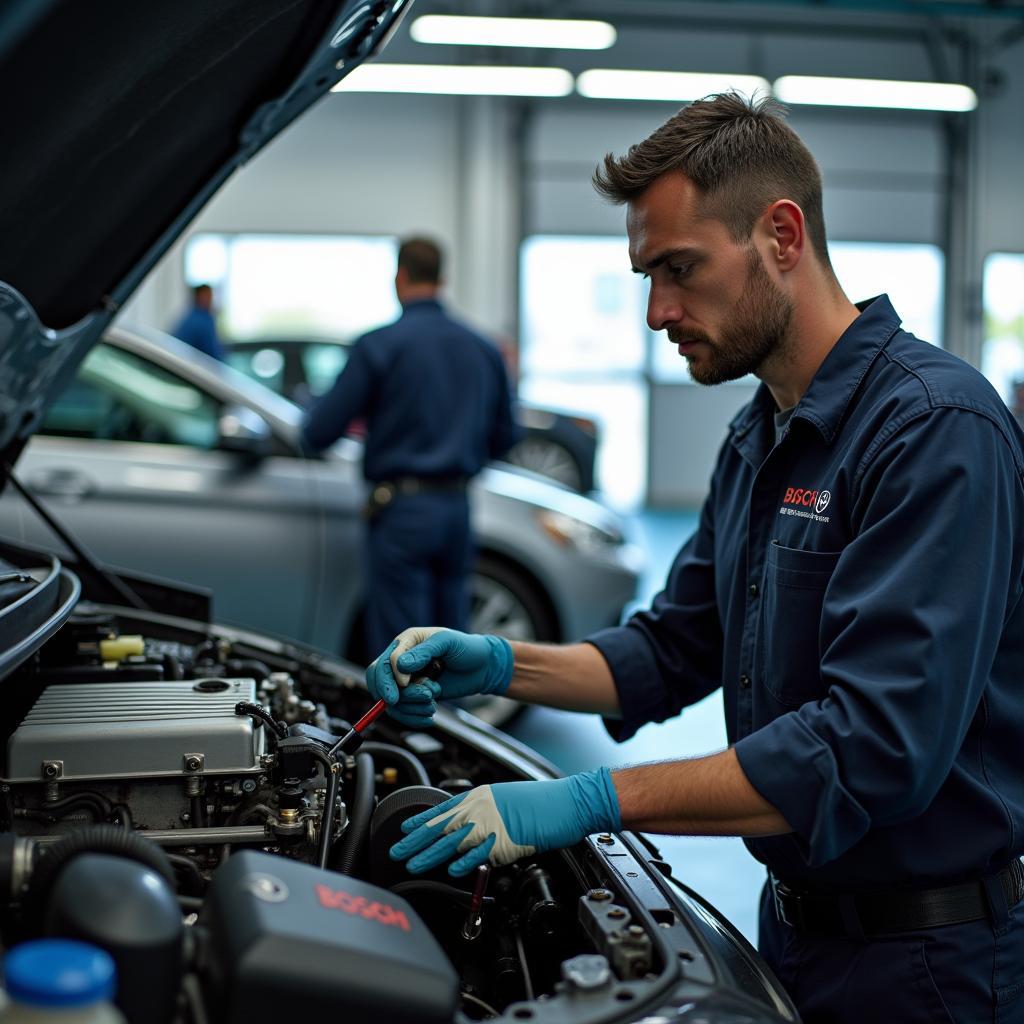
[198, 328]
[436, 398]
[856, 591]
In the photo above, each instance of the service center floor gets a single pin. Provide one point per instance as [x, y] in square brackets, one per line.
[721, 870]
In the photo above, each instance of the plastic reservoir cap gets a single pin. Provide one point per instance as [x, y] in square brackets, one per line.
[121, 647]
[58, 972]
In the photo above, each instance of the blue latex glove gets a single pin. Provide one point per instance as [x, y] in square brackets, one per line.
[501, 823]
[473, 663]
[413, 704]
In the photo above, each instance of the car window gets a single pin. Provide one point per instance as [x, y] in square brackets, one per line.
[321, 364]
[118, 396]
[263, 364]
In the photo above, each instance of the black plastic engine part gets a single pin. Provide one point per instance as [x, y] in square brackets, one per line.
[128, 910]
[385, 831]
[286, 938]
[93, 839]
[541, 914]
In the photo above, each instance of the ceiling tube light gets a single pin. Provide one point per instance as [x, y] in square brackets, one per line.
[543, 33]
[474, 80]
[874, 92]
[676, 86]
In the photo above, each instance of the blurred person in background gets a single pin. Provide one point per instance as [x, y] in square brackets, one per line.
[436, 400]
[197, 326]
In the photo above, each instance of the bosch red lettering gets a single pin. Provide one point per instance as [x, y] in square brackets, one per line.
[360, 907]
[789, 496]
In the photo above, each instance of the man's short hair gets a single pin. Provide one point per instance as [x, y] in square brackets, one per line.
[421, 260]
[741, 155]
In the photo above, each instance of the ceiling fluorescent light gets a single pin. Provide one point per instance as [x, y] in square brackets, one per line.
[475, 80]
[677, 86]
[547, 33]
[874, 92]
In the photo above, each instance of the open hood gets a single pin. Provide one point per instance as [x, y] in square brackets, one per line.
[121, 120]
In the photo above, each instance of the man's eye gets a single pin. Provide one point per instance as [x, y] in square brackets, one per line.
[680, 271]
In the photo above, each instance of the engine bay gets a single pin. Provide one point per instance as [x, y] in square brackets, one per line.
[178, 798]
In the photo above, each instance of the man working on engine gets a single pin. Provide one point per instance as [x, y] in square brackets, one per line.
[854, 585]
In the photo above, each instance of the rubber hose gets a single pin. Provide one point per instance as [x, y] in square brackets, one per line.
[407, 758]
[358, 829]
[428, 887]
[327, 820]
[111, 839]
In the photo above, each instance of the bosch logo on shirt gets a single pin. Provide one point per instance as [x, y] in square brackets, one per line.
[797, 499]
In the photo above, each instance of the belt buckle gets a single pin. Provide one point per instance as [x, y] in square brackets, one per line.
[789, 904]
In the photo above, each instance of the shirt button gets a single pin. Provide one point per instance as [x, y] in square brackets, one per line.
[745, 682]
[753, 590]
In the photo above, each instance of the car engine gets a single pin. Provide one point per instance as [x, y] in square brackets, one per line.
[175, 795]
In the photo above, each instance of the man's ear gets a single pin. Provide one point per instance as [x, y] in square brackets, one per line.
[784, 222]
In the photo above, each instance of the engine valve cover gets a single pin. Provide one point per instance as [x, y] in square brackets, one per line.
[127, 730]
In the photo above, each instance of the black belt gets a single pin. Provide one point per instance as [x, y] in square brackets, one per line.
[384, 492]
[885, 912]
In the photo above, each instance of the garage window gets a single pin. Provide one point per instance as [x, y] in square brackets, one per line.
[1002, 358]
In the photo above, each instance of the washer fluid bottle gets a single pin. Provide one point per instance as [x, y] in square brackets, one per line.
[59, 981]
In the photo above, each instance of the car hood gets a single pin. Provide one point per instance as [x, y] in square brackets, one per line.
[123, 119]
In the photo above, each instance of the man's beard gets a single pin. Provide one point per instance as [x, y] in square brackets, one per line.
[757, 329]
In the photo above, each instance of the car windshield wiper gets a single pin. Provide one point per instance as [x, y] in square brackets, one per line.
[94, 567]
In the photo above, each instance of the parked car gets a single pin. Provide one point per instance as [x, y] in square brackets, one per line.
[182, 795]
[164, 460]
[556, 445]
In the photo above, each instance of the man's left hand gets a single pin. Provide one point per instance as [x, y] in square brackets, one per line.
[501, 823]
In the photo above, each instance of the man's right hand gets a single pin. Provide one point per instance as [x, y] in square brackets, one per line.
[472, 663]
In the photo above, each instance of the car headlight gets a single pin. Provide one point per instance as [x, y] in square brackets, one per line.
[568, 531]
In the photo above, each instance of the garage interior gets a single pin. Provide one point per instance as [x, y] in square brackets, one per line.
[924, 204]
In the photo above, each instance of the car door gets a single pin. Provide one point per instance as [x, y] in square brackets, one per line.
[129, 459]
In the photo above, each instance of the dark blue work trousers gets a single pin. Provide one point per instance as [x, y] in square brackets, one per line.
[967, 973]
[419, 559]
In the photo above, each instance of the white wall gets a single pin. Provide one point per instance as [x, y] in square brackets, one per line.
[479, 173]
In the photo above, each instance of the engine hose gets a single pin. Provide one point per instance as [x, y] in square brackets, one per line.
[407, 759]
[51, 813]
[248, 667]
[197, 809]
[189, 870]
[359, 816]
[104, 806]
[327, 821]
[426, 886]
[111, 839]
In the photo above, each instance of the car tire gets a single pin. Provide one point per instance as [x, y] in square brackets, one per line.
[504, 600]
[550, 459]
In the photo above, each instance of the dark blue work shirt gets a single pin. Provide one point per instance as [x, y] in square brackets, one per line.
[856, 591]
[435, 395]
[198, 328]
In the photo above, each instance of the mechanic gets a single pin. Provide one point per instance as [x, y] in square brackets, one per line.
[197, 327]
[854, 585]
[436, 398]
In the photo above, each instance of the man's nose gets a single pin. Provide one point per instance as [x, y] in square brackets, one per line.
[663, 309]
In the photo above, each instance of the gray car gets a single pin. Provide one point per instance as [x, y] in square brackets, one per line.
[163, 460]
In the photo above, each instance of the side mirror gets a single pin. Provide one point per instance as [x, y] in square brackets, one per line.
[244, 432]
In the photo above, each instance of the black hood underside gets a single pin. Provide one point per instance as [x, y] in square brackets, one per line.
[120, 119]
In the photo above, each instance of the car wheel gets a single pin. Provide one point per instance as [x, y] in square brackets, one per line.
[505, 602]
[548, 458]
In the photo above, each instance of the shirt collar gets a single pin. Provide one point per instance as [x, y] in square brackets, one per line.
[838, 377]
[419, 304]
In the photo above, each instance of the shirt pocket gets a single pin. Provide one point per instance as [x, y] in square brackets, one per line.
[794, 592]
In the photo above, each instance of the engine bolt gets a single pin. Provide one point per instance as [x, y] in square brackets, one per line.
[605, 839]
[599, 895]
[636, 931]
[248, 786]
[616, 913]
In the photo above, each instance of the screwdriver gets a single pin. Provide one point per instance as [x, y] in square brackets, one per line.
[352, 740]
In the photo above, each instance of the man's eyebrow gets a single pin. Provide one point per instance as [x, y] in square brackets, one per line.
[687, 251]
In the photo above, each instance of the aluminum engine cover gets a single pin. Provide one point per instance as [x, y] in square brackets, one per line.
[132, 730]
